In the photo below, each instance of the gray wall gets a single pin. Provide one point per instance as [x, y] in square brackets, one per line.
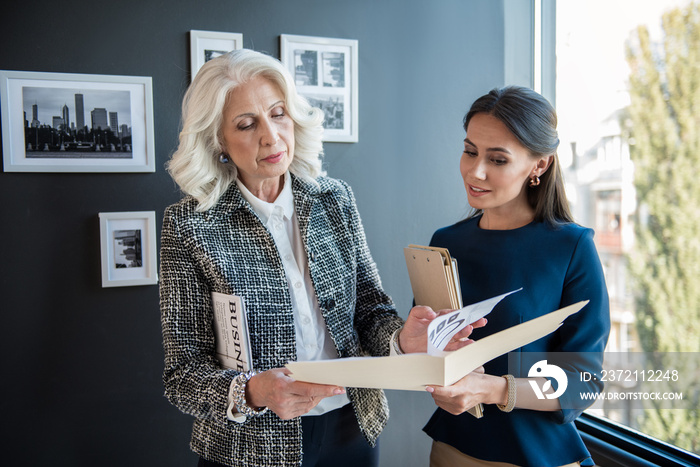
[81, 365]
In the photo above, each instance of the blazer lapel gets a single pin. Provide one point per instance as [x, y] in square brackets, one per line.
[305, 198]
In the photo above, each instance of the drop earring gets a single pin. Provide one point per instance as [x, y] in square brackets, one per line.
[534, 181]
[223, 158]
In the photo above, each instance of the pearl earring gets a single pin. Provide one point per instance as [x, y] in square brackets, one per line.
[223, 158]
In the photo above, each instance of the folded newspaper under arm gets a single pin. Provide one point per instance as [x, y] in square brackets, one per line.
[231, 332]
[414, 372]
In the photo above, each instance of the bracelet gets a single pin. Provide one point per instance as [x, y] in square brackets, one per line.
[238, 393]
[395, 342]
[510, 405]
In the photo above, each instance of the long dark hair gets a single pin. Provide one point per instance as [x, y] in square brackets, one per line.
[533, 121]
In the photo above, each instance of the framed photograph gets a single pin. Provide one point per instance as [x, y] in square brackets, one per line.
[61, 122]
[128, 244]
[205, 45]
[325, 72]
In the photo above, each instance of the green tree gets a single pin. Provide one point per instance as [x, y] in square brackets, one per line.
[664, 132]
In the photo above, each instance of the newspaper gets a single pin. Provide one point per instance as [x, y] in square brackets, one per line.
[231, 332]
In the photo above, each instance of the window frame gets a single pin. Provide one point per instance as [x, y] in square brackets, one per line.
[529, 56]
[612, 444]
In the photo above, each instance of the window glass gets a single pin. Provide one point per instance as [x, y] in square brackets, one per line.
[628, 100]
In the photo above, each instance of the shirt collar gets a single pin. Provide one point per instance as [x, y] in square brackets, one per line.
[284, 201]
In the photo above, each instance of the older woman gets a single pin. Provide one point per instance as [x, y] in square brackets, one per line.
[261, 221]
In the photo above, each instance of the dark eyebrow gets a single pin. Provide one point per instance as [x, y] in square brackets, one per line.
[494, 149]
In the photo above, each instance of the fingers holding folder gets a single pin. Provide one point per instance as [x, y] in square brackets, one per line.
[412, 338]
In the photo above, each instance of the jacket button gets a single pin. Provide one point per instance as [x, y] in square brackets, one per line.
[330, 303]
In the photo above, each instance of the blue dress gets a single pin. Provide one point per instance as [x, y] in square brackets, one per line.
[555, 266]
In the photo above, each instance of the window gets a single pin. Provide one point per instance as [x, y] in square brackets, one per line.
[629, 166]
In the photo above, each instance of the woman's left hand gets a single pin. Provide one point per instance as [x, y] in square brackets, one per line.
[473, 389]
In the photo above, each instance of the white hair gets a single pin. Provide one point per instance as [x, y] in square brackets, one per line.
[195, 165]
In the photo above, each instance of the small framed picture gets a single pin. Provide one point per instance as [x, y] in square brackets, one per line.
[128, 244]
[325, 73]
[205, 45]
[62, 122]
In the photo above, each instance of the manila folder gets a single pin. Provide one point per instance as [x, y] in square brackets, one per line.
[414, 372]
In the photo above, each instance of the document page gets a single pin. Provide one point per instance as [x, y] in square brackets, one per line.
[443, 328]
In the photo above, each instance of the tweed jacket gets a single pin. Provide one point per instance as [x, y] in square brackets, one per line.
[227, 249]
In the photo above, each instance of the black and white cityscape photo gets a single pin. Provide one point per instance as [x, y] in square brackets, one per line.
[334, 69]
[76, 123]
[306, 67]
[333, 107]
[209, 54]
[127, 249]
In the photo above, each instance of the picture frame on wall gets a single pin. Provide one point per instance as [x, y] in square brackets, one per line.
[325, 72]
[205, 45]
[128, 248]
[67, 122]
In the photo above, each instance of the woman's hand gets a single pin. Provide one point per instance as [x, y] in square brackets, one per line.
[469, 391]
[478, 387]
[286, 397]
[414, 335]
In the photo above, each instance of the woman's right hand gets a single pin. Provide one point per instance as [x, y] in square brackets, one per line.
[413, 337]
[285, 396]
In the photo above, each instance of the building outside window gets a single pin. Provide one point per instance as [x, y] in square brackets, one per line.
[628, 124]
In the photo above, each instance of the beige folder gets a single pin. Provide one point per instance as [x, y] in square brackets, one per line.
[417, 370]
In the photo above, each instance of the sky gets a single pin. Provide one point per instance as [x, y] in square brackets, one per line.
[591, 67]
[50, 101]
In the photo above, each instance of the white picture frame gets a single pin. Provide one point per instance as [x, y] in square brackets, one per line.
[109, 124]
[325, 72]
[205, 45]
[128, 248]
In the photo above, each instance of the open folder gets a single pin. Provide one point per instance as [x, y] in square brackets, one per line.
[416, 371]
